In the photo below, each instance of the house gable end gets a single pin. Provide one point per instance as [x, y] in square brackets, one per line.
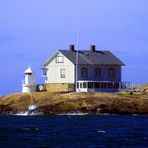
[47, 62]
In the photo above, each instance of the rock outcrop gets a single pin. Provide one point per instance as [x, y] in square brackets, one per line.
[61, 103]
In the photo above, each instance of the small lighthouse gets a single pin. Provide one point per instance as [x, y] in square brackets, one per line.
[28, 85]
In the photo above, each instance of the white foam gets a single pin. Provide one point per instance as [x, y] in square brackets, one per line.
[107, 114]
[75, 114]
[101, 131]
[27, 113]
[22, 114]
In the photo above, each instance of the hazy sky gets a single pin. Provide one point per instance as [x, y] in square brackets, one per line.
[32, 30]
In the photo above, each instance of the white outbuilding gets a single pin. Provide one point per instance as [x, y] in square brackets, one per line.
[28, 85]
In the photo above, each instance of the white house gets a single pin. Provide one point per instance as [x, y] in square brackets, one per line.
[82, 71]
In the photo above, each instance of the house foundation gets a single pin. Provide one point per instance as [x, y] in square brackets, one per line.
[59, 87]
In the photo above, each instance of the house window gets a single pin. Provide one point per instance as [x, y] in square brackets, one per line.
[116, 85]
[77, 85]
[44, 72]
[97, 85]
[90, 85]
[84, 85]
[62, 73]
[110, 85]
[97, 72]
[103, 85]
[84, 72]
[59, 59]
[111, 73]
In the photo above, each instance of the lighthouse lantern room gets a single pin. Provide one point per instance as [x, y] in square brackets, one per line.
[28, 85]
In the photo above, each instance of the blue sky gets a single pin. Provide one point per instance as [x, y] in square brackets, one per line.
[31, 30]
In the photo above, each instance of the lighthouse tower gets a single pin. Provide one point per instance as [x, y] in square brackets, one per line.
[28, 85]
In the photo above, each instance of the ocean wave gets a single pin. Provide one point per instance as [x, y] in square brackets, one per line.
[26, 114]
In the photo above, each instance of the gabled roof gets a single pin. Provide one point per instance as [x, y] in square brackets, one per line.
[92, 57]
[88, 57]
[50, 59]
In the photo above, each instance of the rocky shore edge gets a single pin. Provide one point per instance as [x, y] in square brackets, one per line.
[63, 103]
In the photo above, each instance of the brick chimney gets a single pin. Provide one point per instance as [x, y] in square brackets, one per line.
[92, 48]
[71, 47]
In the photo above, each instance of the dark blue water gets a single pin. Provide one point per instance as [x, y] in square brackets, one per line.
[73, 131]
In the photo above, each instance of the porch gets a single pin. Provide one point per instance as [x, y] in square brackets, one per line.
[102, 86]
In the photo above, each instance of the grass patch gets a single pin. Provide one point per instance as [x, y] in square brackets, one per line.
[126, 94]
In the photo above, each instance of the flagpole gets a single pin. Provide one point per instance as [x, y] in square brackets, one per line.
[77, 60]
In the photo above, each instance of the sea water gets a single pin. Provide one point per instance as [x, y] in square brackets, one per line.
[67, 131]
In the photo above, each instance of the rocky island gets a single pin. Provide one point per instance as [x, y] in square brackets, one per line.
[57, 95]
[61, 103]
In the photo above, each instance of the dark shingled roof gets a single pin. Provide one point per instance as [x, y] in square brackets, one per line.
[92, 57]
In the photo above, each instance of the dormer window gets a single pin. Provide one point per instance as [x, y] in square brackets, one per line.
[59, 59]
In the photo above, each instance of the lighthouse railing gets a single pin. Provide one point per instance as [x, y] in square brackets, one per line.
[27, 84]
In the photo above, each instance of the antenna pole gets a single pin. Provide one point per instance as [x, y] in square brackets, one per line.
[77, 60]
